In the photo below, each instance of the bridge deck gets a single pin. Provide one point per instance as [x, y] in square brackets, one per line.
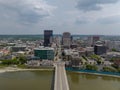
[61, 82]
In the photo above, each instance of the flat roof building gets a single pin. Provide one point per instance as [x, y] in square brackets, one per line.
[18, 48]
[44, 53]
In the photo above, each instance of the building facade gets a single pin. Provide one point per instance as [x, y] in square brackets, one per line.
[44, 53]
[113, 45]
[48, 35]
[100, 49]
[95, 39]
[66, 39]
[18, 48]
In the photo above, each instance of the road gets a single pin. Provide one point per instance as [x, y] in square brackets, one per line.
[61, 82]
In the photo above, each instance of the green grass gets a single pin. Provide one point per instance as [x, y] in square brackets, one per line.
[26, 67]
[3, 66]
[22, 66]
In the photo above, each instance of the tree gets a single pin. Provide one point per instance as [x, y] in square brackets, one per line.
[91, 67]
[22, 59]
[10, 62]
[6, 62]
[109, 69]
[97, 58]
[84, 57]
[114, 50]
[119, 70]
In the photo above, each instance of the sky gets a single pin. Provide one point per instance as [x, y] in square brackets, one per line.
[84, 17]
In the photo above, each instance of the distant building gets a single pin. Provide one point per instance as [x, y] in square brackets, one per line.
[57, 40]
[18, 48]
[1, 54]
[95, 39]
[66, 40]
[92, 40]
[44, 53]
[89, 51]
[75, 62]
[72, 46]
[113, 45]
[117, 63]
[48, 35]
[110, 55]
[100, 49]
[38, 63]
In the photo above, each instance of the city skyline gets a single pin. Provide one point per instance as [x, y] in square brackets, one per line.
[82, 17]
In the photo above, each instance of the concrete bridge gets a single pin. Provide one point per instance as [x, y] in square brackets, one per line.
[61, 82]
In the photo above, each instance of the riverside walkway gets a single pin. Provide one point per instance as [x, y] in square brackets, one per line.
[61, 82]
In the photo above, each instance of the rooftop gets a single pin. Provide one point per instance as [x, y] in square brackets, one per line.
[44, 48]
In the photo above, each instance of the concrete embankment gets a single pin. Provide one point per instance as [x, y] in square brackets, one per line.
[11, 69]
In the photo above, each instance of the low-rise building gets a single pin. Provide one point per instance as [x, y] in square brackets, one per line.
[91, 62]
[110, 55]
[18, 48]
[89, 51]
[117, 63]
[107, 63]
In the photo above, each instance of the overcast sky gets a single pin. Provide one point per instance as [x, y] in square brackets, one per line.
[75, 16]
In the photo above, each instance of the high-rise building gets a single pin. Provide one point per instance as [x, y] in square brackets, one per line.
[57, 40]
[48, 35]
[66, 39]
[95, 39]
[92, 40]
[100, 49]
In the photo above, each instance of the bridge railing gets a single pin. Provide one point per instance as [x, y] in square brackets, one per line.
[55, 83]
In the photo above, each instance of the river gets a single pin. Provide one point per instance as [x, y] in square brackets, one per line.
[27, 80]
[78, 81]
[41, 80]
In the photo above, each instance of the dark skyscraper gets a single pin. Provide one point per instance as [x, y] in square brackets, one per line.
[99, 49]
[48, 35]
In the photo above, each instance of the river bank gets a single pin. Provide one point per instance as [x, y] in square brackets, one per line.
[98, 73]
[16, 69]
[12, 69]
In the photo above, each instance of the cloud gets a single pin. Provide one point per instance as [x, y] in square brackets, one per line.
[93, 5]
[82, 21]
[109, 20]
[25, 11]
